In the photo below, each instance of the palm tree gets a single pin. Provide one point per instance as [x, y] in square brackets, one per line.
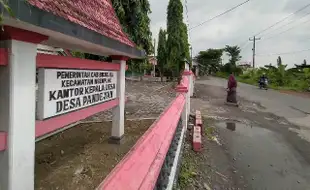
[234, 53]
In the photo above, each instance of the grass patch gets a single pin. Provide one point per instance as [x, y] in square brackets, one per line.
[209, 131]
[187, 173]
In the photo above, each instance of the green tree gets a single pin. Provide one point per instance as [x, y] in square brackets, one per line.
[297, 78]
[210, 60]
[278, 74]
[162, 51]
[177, 42]
[302, 66]
[185, 45]
[279, 61]
[134, 17]
[234, 53]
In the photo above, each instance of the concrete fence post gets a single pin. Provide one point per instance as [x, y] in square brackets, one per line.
[185, 112]
[118, 118]
[17, 110]
[17, 116]
[191, 84]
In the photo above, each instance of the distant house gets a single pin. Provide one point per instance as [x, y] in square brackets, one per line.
[244, 65]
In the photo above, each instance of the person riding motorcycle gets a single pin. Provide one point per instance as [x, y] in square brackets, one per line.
[263, 81]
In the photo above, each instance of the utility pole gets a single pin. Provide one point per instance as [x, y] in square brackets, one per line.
[254, 44]
[154, 58]
[191, 61]
[191, 53]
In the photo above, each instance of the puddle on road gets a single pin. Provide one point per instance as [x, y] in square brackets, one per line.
[241, 128]
[265, 156]
[231, 126]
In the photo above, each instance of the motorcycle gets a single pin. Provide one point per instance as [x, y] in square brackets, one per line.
[263, 84]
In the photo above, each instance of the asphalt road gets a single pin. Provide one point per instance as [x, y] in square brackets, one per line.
[294, 108]
[271, 151]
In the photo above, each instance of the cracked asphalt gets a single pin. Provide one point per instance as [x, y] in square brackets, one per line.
[263, 144]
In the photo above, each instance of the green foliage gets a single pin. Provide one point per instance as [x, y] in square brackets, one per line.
[230, 68]
[185, 45]
[297, 78]
[187, 173]
[279, 61]
[234, 53]
[134, 17]
[4, 4]
[222, 74]
[302, 66]
[210, 60]
[177, 42]
[78, 54]
[162, 51]
[279, 77]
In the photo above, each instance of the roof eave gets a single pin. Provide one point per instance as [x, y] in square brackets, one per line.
[65, 34]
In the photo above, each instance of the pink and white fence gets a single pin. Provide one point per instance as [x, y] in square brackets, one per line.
[153, 161]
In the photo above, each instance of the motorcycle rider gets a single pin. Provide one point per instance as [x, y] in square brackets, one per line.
[263, 80]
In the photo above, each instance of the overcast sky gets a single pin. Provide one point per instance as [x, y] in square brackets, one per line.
[236, 27]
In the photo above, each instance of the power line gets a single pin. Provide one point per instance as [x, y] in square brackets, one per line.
[245, 44]
[187, 17]
[188, 32]
[225, 12]
[289, 23]
[186, 11]
[280, 33]
[285, 53]
[254, 48]
[278, 22]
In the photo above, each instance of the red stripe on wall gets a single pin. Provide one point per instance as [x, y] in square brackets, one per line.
[50, 125]
[4, 56]
[3, 140]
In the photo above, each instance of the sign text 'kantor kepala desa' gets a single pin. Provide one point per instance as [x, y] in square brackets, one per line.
[63, 90]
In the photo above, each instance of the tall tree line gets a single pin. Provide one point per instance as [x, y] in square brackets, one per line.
[173, 46]
[134, 18]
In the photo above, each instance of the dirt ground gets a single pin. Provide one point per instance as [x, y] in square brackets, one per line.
[145, 100]
[81, 157]
[243, 148]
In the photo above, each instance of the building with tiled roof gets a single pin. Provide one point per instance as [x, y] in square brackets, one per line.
[87, 26]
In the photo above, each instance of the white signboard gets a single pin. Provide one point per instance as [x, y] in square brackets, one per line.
[62, 90]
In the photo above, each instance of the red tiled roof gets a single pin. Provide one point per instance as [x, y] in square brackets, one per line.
[96, 15]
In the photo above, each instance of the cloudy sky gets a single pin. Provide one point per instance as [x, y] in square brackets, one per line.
[236, 27]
